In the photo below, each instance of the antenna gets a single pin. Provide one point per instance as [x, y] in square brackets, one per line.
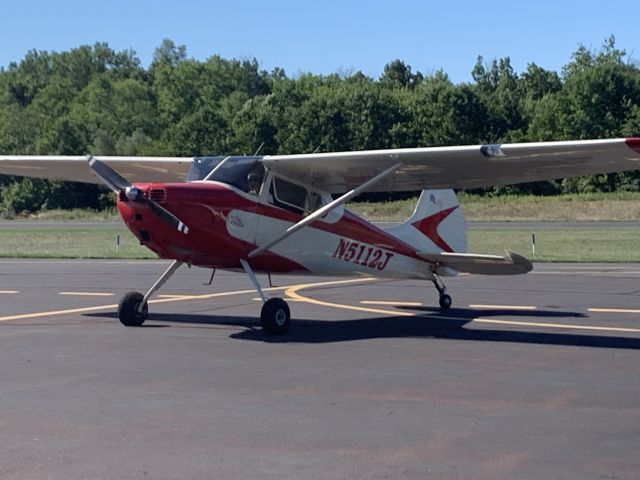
[258, 150]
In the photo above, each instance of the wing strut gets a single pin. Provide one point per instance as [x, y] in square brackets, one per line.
[323, 210]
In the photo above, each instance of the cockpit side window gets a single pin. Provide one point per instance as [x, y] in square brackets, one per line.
[254, 180]
[293, 197]
[315, 201]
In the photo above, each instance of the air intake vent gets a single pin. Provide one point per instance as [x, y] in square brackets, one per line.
[158, 195]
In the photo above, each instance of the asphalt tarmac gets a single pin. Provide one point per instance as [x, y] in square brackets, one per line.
[527, 377]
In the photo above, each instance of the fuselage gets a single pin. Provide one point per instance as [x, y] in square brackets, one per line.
[226, 224]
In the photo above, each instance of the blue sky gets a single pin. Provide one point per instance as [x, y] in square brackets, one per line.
[329, 36]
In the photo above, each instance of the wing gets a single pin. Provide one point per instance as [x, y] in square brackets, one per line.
[76, 169]
[422, 168]
[459, 167]
[511, 264]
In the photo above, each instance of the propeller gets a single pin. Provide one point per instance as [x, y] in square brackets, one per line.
[119, 184]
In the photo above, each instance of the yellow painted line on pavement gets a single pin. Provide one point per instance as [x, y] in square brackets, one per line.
[559, 325]
[86, 294]
[391, 303]
[613, 310]
[504, 307]
[8, 292]
[56, 312]
[182, 298]
[293, 292]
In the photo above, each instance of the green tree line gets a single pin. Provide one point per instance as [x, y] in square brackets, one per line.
[95, 100]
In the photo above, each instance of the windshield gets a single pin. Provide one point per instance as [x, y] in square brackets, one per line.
[243, 173]
[201, 167]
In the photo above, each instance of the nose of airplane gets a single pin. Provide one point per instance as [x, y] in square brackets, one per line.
[143, 208]
[203, 239]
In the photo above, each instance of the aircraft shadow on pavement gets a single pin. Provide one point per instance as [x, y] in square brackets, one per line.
[470, 314]
[453, 327]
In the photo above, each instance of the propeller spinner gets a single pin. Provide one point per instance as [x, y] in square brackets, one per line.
[119, 184]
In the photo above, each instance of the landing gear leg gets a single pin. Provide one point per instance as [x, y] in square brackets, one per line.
[133, 309]
[445, 299]
[275, 316]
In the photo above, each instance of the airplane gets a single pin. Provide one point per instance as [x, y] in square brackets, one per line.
[277, 213]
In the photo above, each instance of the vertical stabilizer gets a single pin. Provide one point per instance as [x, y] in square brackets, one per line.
[437, 224]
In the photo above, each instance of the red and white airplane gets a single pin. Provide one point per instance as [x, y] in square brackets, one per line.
[276, 214]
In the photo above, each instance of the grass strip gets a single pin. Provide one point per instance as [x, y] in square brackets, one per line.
[576, 245]
[71, 243]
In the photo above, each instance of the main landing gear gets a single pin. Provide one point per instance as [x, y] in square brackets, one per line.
[445, 299]
[275, 316]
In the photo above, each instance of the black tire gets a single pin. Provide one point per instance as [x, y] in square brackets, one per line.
[275, 316]
[128, 310]
[445, 301]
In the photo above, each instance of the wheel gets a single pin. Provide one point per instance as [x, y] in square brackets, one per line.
[128, 310]
[275, 316]
[445, 301]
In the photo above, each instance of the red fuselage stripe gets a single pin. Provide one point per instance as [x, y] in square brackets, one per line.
[429, 227]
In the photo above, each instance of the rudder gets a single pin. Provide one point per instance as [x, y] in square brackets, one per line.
[437, 224]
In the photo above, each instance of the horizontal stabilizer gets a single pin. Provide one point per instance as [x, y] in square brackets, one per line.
[511, 264]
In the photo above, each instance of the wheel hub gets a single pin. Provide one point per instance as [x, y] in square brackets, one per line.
[281, 317]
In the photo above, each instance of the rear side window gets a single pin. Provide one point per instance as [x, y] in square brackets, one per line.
[289, 195]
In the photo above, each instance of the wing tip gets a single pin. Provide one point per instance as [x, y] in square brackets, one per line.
[523, 264]
[633, 143]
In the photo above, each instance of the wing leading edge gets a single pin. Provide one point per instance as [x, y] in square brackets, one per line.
[460, 167]
[75, 168]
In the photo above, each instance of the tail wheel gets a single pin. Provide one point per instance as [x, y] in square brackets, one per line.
[275, 316]
[445, 301]
[128, 310]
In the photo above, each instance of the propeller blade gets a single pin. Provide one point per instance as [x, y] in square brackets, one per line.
[119, 184]
[108, 175]
[164, 214]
